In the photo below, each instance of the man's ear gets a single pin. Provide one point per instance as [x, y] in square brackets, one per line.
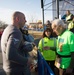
[17, 19]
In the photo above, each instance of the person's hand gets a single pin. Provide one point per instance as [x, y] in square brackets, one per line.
[31, 66]
[31, 63]
[30, 60]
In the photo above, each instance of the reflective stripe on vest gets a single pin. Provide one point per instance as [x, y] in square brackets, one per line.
[71, 25]
[68, 17]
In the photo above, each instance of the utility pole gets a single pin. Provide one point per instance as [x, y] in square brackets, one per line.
[57, 8]
[42, 6]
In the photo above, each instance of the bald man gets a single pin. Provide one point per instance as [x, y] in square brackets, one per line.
[14, 61]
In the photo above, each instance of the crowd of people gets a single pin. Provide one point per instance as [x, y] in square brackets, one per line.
[56, 46]
[63, 31]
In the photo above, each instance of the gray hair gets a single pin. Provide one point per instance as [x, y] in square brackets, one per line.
[59, 22]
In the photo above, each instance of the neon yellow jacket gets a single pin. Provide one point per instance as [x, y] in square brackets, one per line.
[71, 25]
[66, 42]
[68, 17]
[47, 54]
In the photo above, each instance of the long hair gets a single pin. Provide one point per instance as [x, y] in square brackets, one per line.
[46, 30]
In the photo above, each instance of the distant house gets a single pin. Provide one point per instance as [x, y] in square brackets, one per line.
[36, 25]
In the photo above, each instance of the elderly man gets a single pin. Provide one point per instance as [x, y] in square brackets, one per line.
[14, 60]
[65, 48]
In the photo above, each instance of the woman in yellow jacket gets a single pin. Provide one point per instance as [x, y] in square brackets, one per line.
[71, 25]
[47, 47]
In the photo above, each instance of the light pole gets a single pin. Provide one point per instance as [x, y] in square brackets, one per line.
[42, 6]
[57, 8]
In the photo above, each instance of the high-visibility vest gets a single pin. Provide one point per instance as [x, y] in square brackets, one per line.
[47, 54]
[71, 25]
[68, 17]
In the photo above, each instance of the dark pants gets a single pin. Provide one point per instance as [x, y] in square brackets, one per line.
[62, 72]
[52, 66]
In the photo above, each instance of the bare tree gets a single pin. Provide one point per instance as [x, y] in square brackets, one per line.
[33, 18]
[3, 24]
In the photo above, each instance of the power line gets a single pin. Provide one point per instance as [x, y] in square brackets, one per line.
[49, 6]
[49, 3]
[44, 1]
[69, 3]
[60, 10]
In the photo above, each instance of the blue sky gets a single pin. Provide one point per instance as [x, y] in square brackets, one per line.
[31, 9]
